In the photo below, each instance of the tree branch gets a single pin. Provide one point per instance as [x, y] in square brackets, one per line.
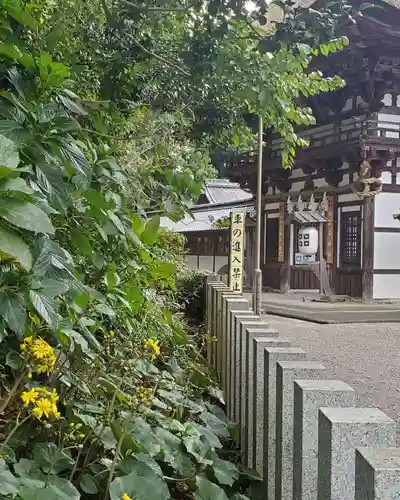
[156, 56]
[155, 9]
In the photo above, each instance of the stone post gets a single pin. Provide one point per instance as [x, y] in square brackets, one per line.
[221, 328]
[254, 427]
[236, 303]
[241, 323]
[210, 280]
[215, 299]
[271, 356]
[377, 474]
[309, 396]
[341, 431]
[261, 328]
[287, 372]
[235, 317]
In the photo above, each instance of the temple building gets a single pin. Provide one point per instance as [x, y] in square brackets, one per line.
[347, 182]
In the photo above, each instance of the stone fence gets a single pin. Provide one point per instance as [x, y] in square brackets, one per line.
[301, 432]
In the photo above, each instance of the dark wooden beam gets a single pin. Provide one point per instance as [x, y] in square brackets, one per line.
[368, 249]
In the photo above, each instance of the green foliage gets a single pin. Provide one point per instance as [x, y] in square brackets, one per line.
[103, 393]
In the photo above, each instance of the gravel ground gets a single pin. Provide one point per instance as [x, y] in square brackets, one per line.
[366, 356]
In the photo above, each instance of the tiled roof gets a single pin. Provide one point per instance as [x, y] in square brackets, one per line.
[225, 191]
[204, 220]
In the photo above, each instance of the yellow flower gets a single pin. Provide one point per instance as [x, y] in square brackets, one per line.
[45, 407]
[153, 346]
[125, 496]
[29, 396]
[41, 349]
[28, 340]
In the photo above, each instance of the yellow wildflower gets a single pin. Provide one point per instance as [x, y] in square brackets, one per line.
[45, 406]
[41, 349]
[43, 402]
[29, 396]
[153, 346]
[40, 353]
[125, 496]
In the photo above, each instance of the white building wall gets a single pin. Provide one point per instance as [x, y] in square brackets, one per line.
[386, 247]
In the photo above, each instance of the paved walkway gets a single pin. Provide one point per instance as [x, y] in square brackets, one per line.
[366, 356]
[303, 305]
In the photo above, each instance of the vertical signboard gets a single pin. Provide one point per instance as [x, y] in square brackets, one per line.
[236, 251]
[329, 227]
[281, 241]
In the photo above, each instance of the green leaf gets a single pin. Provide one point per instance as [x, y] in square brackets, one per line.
[75, 107]
[105, 309]
[149, 235]
[14, 360]
[80, 241]
[77, 339]
[9, 484]
[206, 490]
[112, 279]
[9, 156]
[17, 11]
[52, 288]
[13, 311]
[51, 459]
[129, 464]
[88, 484]
[142, 484]
[45, 306]
[18, 185]
[249, 473]
[12, 246]
[26, 215]
[57, 489]
[225, 472]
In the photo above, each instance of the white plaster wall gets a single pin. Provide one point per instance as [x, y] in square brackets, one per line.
[348, 197]
[191, 261]
[271, 206]
[386, 286]
[206, 262]
[386, 177]
[387, 204]
[387, 251]
[220, 261]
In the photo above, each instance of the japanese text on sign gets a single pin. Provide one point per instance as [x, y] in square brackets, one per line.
[236, 251]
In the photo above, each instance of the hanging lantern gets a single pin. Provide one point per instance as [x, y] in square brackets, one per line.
[308, 240]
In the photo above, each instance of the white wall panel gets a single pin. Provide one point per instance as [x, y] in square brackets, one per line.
[191, 261]
[386, 286]
[387, 251]
[386, 177]
[387, 204]
[348, 197]
[206, 263]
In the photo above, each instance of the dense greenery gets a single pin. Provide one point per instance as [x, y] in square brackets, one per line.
[108, 109]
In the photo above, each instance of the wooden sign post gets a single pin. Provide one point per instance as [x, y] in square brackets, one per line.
[236, 251]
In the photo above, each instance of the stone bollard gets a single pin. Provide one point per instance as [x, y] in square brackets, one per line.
[254, 428]
[237, 303]
[216, 289]
[287, 372]
[341, 431]
[210, 280]
[261, 327]
[271, 356]
[224, 295]
[241, 324]
[235, 317]
[309, 396]
[377, 474]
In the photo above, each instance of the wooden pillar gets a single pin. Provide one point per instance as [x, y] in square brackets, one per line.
[284, 249]
[368, 249]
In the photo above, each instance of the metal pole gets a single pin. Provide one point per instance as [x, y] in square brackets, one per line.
[257, 282]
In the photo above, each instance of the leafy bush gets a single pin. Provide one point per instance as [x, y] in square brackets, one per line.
[190, 294]
[102, 393]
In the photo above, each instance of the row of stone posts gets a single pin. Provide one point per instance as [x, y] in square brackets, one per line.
[302, 433]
